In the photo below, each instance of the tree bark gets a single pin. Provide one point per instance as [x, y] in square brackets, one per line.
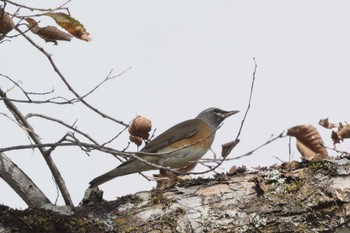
[292, 197]
[21, 183]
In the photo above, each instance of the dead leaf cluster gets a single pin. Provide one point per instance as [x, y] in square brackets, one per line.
[71, 25]
[337, 136]
[53, 34]
[342, 133]
[48, 33]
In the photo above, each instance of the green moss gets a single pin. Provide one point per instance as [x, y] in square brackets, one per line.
[324, 166]
[157, 198]
[125, 225]
[294, 186]
[41, 222]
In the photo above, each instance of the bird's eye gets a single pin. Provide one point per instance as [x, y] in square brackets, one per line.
[216, 110]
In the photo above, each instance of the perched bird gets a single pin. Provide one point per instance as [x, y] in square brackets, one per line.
[194, 137]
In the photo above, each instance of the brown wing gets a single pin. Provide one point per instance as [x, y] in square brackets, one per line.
[180, 131]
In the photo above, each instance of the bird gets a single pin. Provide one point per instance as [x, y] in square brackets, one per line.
[178, 147]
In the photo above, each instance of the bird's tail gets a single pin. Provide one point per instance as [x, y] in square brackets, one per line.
[131, 166]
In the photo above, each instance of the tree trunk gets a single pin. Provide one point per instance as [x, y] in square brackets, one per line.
[292, 197]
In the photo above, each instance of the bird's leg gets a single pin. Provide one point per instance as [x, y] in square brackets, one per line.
[166, 179]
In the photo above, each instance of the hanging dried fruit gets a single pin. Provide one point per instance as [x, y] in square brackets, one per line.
[139, 130]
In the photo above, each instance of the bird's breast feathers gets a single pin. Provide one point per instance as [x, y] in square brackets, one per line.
[188, 150]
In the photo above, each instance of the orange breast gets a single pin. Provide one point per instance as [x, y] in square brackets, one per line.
[201, 140]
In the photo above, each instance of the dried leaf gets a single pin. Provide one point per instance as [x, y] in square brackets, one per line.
[232, 170]
[52, 34]
[6, 23]
[227, 147]
[237, 170]
[32, 25]
[139, 130]
[70, 24]
[166, 179]
[343, 132]
[326, 124]
[309, 142]
[48, 33]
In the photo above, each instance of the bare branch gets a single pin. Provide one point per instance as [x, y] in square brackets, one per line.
[21, 183]
[62, 123]
[52, 100]
[49, 57]
[54, 170]
[249, 101]
[240, 129]
[272, 139]
[61, 7]
[341, 152]
[109, 77]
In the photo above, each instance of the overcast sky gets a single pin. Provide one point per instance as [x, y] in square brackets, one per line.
[185, 56]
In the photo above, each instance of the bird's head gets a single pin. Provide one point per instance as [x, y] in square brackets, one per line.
[214, 116]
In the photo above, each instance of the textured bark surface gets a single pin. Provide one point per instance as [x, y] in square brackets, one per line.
[21, 183]
[292, 197]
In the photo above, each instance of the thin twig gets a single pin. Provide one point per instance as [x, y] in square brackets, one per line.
[116, 136]
[70, 88]
[290, 149]
[53, 168]
[281, 135]
[109, 77]
[90, 147]
[62, 123]
[52, 100]
[342, 153]
[17, 123]
[23, 91]
[249, 101]
[61, 7]
[242, 123]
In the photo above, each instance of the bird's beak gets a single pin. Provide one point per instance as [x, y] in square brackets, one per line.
[229, 113]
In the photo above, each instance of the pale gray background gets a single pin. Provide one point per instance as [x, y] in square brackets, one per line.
[185, 56]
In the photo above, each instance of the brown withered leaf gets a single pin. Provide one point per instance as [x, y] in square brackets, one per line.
[52, 34]
[73, 26]
[32, 25]
[139, 129]
[237, 170]
[326, 124]
[6, 23]
[166, 179]
[48, 33]
[227, 147]
[232, 170]
[309, 142]
[343, 132]
[335, 137]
